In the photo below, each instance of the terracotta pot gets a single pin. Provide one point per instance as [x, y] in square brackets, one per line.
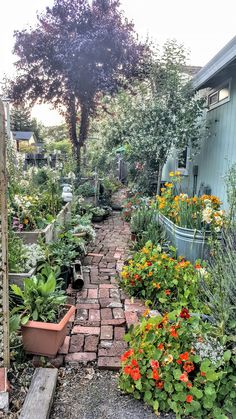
[45, 339]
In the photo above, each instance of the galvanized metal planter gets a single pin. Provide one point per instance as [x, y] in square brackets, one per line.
[192, 244]
[50, 232]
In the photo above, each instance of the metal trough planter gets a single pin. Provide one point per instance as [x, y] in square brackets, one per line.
[18, 278]
[50, 232]
[189, 243]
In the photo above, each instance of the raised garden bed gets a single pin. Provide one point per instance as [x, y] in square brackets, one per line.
[17, 278]
[50, 232]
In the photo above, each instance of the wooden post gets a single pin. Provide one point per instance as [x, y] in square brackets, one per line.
[4, 287]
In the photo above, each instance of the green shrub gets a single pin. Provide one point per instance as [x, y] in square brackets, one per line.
[159, 278]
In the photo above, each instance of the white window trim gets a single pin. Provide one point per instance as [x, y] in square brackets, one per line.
[184, 171]
[215, 90]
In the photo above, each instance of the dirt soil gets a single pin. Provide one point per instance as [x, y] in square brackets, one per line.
[87, 393]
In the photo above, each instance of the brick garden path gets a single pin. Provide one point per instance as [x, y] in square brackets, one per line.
[103, 311]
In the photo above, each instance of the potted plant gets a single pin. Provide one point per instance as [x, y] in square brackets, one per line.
[97, 214]
[42, 313]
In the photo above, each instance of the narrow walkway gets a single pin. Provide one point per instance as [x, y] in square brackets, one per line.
[103, 311]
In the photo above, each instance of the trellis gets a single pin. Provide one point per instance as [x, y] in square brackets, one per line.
[4, 287]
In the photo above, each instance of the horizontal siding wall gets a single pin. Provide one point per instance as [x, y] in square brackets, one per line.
[217, 153]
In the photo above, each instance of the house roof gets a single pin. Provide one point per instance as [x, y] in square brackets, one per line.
[219, 62]
[22, 135]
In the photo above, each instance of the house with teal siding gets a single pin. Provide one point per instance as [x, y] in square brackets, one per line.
[205, 172]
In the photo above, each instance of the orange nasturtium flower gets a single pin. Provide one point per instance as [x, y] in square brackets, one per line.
[184, 377]
[184, 356]
[189, 398]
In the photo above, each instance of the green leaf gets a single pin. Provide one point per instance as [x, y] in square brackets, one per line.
[14, 323]
[138, 384]
[147, 396]
[156, 405]
[227, 355]
[25, 319]
[196, 392]
[35, 314]
[17, 291]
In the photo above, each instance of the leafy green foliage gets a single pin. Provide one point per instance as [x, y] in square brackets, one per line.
[40, 299]
[166, 282]
[165, 368]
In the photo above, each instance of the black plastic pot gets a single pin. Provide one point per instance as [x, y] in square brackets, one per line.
[66, 276]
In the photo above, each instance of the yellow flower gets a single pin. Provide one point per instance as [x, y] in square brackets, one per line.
[168, 185]
[171, 174]
[150, 273]
[26, 221]
[177, 173]
[146, 312]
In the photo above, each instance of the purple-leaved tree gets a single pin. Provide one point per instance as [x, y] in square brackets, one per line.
[79, 50]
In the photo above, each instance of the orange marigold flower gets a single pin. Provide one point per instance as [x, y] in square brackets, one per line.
[155, 375]
[150, 273]
[154, 364]
[188, 366]
[167, 292]
[184, 356]
[135, 374]
[160, 384]
[189, 398]
[184, 377]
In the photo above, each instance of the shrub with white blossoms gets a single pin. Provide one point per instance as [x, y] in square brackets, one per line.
[33, 254]
[209, 348]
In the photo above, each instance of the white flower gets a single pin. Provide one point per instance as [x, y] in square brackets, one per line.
[207, 215]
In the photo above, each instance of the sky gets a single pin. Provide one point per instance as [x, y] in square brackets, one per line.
[203, 26]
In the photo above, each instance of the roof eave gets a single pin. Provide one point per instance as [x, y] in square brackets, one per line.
[223, 58]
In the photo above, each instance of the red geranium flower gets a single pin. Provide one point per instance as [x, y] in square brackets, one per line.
[189, 398]
[154, 364]
[155, 375]
[184, 356]
[173, 332]
[184, 313]
[127, 370]
[189, 366]
[135, 374]
[184, 377]
[161, 346]
[127, 354]
[160, 384]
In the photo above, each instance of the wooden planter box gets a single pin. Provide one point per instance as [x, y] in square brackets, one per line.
[45, 339]
[189, 243]
[17, 278]
[50, 232]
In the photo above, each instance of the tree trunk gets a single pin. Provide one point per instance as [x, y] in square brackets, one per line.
[71, 120]
[160, 168]
[84, 126]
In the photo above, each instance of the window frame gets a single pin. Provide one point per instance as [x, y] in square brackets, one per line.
[184, 171]
[217, 90]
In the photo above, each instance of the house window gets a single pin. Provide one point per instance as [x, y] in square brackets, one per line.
[182, 163]
[219, 96]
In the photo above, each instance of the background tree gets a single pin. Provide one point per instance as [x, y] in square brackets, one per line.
[161, 116]
[78, 50]
[21, 121]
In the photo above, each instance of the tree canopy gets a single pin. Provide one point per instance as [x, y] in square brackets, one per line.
[79, 50]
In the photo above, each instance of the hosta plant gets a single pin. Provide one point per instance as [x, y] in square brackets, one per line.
[170, 367]
[165, 281]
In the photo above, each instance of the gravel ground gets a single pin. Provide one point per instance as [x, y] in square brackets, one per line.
[86, 393]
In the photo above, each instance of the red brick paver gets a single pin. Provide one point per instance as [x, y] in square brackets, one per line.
[103, 311]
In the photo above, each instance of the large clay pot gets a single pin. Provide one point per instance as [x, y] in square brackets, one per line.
[45, 339]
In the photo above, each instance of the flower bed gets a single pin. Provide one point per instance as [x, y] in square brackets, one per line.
[49, 233]
[164, 281]
[173, 365]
